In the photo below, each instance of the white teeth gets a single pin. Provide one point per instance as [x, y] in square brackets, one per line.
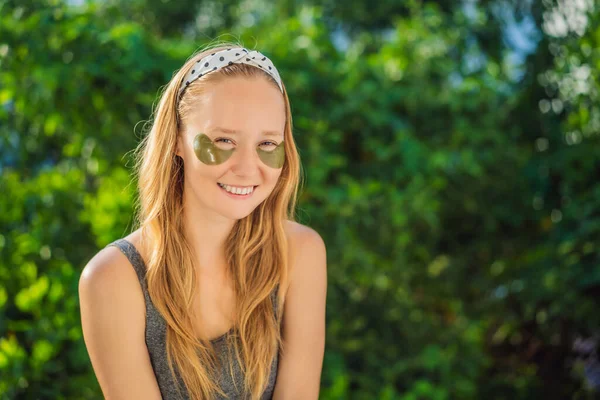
[237, 190]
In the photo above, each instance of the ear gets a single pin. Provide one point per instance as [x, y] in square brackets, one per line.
[179, 146]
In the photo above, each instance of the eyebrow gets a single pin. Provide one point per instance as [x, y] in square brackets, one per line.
[234, 132]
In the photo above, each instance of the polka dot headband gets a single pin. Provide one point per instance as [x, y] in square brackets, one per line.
[235, 55]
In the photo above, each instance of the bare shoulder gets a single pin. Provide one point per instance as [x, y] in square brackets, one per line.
[107, 271]
[110, 264]
[109, 280]
[109, 287]
[307, 253]
[301, 362]
[302, 236]
[113, 321]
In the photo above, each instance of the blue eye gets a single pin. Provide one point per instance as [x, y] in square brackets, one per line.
[269, 143]
[222, 140]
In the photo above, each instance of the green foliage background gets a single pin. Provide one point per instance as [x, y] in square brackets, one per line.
[452, 172]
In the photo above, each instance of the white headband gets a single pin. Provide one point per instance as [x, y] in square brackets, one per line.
[235, 55]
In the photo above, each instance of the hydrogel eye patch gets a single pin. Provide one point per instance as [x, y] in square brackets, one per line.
[209, 154]
[273, 158]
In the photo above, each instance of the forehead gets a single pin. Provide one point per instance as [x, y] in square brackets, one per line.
[246, 105]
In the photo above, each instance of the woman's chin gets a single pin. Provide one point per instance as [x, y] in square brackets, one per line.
[236, 214]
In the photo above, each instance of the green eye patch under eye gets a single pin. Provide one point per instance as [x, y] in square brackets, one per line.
[273, 158]
[209, 154]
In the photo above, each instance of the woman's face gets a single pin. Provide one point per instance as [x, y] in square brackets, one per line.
[239, 114]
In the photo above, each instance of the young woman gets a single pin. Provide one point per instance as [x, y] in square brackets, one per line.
[218, 294]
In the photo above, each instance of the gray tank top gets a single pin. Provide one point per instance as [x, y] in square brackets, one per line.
[156, 332]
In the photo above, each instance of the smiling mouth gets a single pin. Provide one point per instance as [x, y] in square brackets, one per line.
[237, 192]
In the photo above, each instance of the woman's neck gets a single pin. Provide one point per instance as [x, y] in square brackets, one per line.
[206, 233]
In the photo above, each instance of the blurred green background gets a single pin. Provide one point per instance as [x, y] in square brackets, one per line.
[451, 155]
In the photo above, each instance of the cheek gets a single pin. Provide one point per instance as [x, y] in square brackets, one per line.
[199, 173]
[273, 175]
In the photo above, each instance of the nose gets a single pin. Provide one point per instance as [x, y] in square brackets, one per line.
[245, 161]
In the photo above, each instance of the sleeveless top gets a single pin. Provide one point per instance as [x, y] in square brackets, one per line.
[155, 335]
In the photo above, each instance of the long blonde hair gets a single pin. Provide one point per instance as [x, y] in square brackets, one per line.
[256, 247]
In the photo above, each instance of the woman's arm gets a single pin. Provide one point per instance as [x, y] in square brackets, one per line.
[299, 372]
[113, 320]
